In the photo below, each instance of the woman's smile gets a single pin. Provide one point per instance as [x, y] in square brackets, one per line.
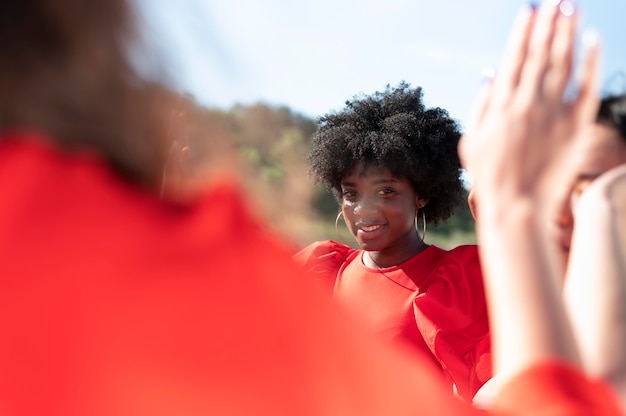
[370, 232]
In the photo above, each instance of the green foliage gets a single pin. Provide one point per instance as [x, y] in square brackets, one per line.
[272, 144]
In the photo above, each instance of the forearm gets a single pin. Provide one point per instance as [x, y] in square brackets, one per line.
[527, 319]
[595, 286]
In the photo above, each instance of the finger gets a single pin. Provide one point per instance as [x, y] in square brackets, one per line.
[479, 105]
[588, 100]
[468, 139]
[539, 49]
[515, 50]
[464, 151]
[559, 69]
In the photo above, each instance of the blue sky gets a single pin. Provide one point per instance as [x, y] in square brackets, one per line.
[312, 56]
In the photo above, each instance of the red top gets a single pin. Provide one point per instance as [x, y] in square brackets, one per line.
[113, 302]
[434, 301]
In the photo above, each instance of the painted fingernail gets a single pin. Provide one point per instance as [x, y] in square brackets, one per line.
[590, 38]
[567, 8]
[487, 74]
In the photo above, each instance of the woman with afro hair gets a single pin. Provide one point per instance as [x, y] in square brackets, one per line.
[392, 164]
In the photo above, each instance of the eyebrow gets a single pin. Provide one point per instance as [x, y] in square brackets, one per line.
[376, 182]
[588, 176]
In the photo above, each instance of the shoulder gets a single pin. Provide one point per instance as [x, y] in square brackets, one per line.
[466, 254]
[461, 263]
[325, 251]
[323, 259]
[456, 284]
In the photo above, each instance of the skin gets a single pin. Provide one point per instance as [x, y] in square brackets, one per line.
[594, 241]
[514, 182]
[590, 253]
[601, 148]
[589, 234]
[379, 209]
[548, 142]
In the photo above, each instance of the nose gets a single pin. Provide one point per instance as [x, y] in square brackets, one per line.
[366, 207]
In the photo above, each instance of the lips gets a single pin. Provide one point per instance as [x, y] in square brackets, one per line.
[370, 228]
[370, 232]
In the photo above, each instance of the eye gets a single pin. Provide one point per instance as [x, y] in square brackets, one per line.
[386, 192]
[349, 194]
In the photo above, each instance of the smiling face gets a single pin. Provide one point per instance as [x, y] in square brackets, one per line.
[601, 149]
[379, 209]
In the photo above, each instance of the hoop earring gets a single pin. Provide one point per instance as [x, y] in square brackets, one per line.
[337, 230]
[423, 236]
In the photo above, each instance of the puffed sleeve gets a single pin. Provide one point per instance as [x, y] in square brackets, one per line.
[323, 259]
[451, 314]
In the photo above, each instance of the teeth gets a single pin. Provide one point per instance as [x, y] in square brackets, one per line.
[371, 228]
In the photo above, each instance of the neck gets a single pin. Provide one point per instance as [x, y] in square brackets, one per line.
[392, 257]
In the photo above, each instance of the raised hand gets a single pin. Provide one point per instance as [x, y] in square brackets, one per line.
[523, 127]
[516, 148]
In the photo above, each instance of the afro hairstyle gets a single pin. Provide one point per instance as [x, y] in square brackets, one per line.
[394, 130]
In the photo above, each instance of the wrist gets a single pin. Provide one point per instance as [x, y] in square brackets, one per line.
[510, 213]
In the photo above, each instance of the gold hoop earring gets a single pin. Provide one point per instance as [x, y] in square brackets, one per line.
[337, 230]
[423, 236]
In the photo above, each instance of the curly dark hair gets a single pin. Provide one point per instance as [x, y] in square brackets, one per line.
[392, 129]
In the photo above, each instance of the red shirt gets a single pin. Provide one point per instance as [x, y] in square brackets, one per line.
[113, 302]
[434, 302]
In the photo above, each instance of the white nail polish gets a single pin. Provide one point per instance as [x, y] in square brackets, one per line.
[567, 8]
[590, 38]
[487, 74]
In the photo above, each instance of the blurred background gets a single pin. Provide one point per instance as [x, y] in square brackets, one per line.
[264, 70]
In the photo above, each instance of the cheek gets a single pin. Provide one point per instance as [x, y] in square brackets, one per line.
[348, 215]
[403, 217]
[347, 208]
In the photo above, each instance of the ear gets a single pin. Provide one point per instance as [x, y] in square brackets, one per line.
[420, 202]
[471, 201]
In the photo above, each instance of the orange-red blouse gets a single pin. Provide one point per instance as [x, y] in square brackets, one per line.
[113, 302]
[434, 302]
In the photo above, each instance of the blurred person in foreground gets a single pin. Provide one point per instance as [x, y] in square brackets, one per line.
[117, 301]
[592, 243]
[565, 145]
[593, 278]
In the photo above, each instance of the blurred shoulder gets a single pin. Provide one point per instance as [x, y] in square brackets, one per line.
[324, 251]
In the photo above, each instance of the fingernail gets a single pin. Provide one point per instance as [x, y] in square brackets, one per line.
[487, 74]
[567, 8]
[554, 3]
[590, 38]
